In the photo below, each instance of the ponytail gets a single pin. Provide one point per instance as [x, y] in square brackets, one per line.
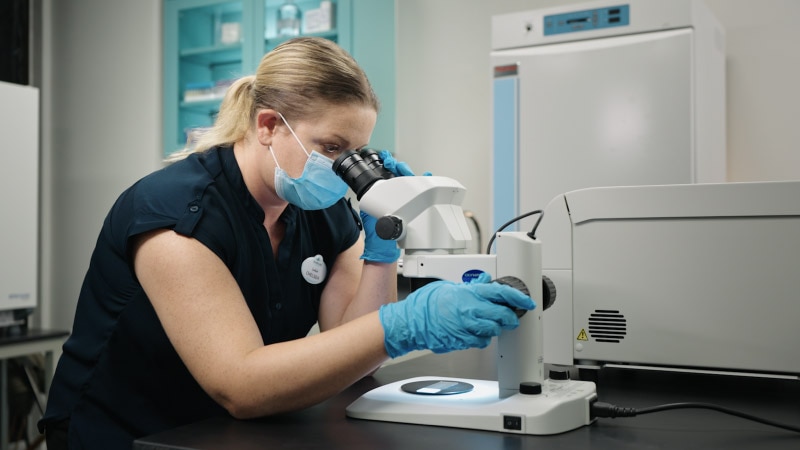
[233, 120]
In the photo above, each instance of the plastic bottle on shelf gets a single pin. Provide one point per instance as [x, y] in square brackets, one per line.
[288, 19]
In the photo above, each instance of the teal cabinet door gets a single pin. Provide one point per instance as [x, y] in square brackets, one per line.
[372, 44]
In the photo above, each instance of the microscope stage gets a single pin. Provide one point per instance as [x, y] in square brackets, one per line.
[561, 406]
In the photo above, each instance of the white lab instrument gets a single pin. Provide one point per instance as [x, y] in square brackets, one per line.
[697, 277]
[424, 215]
[19, 201]
[608, 93]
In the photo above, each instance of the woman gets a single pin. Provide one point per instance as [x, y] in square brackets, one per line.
[208, 274]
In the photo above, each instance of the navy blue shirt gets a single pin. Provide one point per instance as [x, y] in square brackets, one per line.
[119, 377]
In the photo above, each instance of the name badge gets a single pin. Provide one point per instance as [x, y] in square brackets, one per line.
[314, 269]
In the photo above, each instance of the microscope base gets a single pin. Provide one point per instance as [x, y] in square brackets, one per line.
[562, 406]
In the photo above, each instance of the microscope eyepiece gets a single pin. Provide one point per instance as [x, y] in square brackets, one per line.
[361, 169]
[375, 162]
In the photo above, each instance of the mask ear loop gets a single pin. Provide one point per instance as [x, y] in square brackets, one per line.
[272, 152]
[295, 136]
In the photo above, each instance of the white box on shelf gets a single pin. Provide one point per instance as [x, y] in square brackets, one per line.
[230, 33]
[318, 20]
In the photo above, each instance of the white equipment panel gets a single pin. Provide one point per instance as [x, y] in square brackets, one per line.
[19, 196]
[605, 94]
[700, 277]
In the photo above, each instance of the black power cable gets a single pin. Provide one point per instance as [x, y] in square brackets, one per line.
[531, 234]
[607, 410]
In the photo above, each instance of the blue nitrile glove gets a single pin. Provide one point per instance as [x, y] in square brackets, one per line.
[443, 316]
[400, 169]
[377, 249]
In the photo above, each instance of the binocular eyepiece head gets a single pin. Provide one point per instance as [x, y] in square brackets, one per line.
[361, 169]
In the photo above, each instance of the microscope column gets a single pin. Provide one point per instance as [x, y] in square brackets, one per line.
[520, 355]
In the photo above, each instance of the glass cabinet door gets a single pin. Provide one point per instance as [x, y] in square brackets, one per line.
[203, 55]
[285, 19]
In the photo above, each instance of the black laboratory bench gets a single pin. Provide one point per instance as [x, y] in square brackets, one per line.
[326, 426]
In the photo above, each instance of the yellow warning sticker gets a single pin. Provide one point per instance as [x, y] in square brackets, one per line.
[582, 335]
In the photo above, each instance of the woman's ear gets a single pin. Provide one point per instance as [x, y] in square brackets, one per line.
[266, 120]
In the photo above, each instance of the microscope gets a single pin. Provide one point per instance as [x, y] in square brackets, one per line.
[423, 214]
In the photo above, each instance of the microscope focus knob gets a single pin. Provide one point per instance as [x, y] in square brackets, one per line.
[389, 228]
[548, 292]
[517, 284]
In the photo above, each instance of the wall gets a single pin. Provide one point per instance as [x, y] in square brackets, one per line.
[101, 127]
[444, 89]
[763, 98]
[101, 108]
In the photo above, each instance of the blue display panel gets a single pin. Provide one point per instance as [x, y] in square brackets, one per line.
[505, 142]
[590, 19]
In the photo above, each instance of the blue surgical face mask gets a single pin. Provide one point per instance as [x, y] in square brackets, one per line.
[318, 187]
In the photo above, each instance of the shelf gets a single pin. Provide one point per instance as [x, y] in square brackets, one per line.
[210, 106]
[275, 41]
[213, 55]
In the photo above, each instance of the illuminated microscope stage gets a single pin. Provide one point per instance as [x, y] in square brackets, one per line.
[561, 405]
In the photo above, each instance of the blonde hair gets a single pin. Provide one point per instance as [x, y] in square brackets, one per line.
[293, 78]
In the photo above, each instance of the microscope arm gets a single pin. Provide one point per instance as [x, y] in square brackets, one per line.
[429, 224]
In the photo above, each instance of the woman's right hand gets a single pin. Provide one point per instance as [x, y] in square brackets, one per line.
[443, 316]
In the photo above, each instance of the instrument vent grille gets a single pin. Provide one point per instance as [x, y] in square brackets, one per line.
[607, 325]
